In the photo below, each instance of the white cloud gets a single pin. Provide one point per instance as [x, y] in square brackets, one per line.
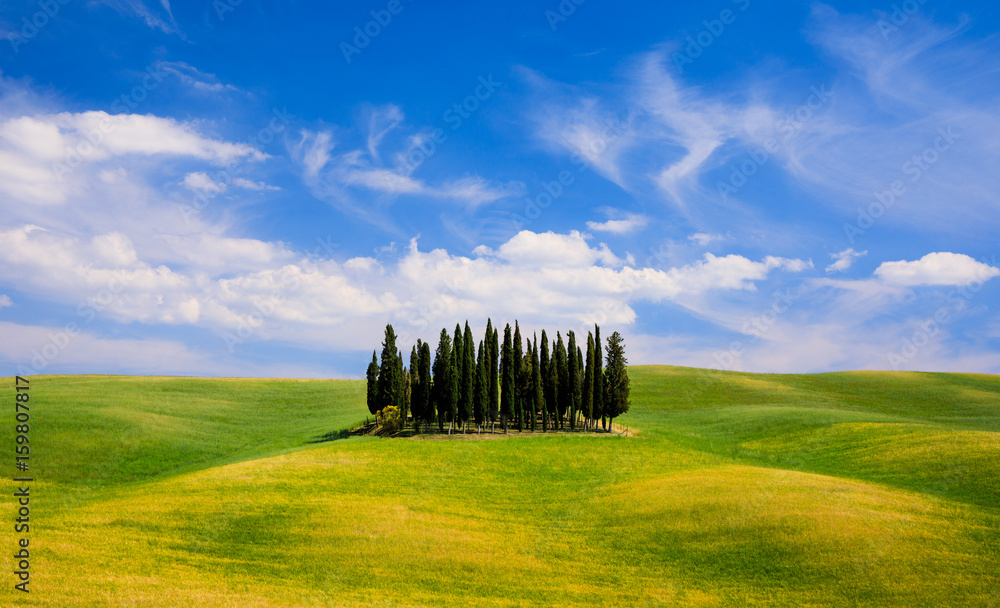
[200, 180]
[43, 158]
[703, 238]
[631, 222]
[5, 301]
[844, 259]
[941, 268]
[246, 184]
[551, 250]
[217, 282]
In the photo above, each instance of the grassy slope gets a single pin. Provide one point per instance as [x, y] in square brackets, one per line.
[864, 489]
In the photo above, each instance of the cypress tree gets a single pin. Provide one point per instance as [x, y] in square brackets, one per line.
[372, 376]
[516, 407]
[426, 406]
[458, 365]
[491, 363]
[539, 388]
[598, 380]
[415, 385]
[482, 388]
[616, 388]
[578, 390]
[506, 378]
[444, 393]
[536, 384]
[573, 378]
[588, 382]
[407, 387]
[552, 396]
[390, 380]
[402, 384]
[546, 382]
[468, 375]
[562, 371]
[525, 391]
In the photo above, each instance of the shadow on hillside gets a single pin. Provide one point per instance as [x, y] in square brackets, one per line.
[370, 429]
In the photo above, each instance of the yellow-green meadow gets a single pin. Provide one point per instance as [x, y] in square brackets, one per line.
[843, 489]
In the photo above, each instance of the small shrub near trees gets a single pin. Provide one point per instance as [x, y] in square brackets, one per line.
[392, 419]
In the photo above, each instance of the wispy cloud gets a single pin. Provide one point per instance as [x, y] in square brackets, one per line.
[161, 18]
[704, 239]
[345, 178]
[630, 222]
[844, 260]
[194, 78]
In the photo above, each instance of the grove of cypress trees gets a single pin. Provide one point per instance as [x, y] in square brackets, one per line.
[513, 381]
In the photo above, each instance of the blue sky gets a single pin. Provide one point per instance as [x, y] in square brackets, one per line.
[255, 189]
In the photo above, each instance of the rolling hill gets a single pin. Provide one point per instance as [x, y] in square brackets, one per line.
[844, 489]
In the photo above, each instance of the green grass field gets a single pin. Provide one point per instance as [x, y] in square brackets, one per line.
[846, 489]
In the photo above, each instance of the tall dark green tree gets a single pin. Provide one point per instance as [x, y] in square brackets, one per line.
[547, 387]
[390, 373]
[403, 386]
[562, 382]
[506, 378]
[579, 379]
[616, 388]
[415, 383]
[407, 388]
[516, 391]
[573, 378]
[492, 360]
[525, 389]
[444, 385]
[552, 394]
[372, 376]
[598, 380]
[468, 375]
[482, 388]
[588, 382]
[538, 386]
[457, 365]
[424, 365]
